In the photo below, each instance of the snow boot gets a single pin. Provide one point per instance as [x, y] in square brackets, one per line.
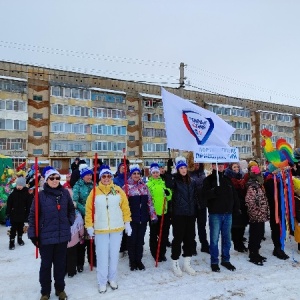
[280, 253]
[45, 297]
[132, 265]
[228, 265]
[140, 265]
[11, 244]
[61, 295]
[255, 258]
[187, 266]
[113, 285]
[205, 248]
[102, 289]
[176, 268]
[215, 267]
[20, 241]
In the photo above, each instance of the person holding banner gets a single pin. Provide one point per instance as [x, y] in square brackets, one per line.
[222, 202]
[111, 215]
[184, 205]
[56, 214]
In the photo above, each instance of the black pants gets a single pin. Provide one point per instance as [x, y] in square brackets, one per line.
[154, 235]
[55, 254]
[183, 232]
[237, 235]
[135, 242]
[16, 227]
[275, 231]
[123, 246]
[256, 233]
[201, 226]
[72, 258]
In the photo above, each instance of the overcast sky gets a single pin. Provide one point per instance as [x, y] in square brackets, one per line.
[248, 49]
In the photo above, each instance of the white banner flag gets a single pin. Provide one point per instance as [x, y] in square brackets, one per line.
[216, 154]
[189, 126]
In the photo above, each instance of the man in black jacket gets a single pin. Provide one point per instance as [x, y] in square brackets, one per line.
[222, 201]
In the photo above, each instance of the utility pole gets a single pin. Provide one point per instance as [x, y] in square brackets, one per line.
[181, 79]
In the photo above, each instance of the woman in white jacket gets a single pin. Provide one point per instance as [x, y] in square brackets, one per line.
[111, 215]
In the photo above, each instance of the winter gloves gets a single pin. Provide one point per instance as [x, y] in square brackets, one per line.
[128, 229]
[90, 232]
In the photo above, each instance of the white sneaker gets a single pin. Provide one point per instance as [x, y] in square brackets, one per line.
[176, 268]
[113, 285]
[187, 266]
[102, 289]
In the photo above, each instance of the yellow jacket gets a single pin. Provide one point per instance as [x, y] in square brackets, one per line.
[111, 209]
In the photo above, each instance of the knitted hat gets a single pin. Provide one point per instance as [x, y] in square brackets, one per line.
[21, 181]
[82, 166]
[85, 171]
[154, 167]
[104, 169]
[180, 162]
[134, 168]
[161, 165]
[252, 163]
[46, 169]
[50, 172]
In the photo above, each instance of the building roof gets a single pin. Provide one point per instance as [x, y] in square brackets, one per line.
[13, 78]
[107, 91]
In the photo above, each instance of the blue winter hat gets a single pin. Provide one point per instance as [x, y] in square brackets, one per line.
[105, 169]
[180, 162]
[134, 168]
[46, 169]
[85, 171]
[154, 167]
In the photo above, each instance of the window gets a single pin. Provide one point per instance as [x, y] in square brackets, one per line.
[37, 116]
[37, 152]
[57, 164]
[56, 91]
[37, 133]
[131, 153]
[130, 107]
[37, 97]
[131, 138]
[67, 93]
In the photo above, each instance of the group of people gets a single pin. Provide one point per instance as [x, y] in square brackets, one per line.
[112, 216]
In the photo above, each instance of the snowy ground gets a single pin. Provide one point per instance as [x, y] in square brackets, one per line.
[275, 280]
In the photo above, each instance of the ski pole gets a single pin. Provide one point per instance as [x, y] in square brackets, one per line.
[160, 232]
[93, 211]
[36, 195]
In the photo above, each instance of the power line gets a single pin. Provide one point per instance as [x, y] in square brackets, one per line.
[240, 83]
[86, 55]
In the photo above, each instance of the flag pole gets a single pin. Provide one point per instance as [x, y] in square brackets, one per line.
[217, 171]
[36, 179]
[93, 211]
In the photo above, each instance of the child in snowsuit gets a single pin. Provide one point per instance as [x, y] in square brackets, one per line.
[17, 210]
[77, 233]
[258, 212]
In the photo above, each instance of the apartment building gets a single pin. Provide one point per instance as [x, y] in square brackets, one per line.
[59, 115]
[13, 118]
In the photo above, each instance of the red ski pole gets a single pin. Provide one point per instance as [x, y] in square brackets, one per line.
[125, 172]
[93, 211]
[160, 232]
[36, 195]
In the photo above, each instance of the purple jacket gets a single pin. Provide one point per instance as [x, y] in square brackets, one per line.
[140, 201]
[56, 216]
